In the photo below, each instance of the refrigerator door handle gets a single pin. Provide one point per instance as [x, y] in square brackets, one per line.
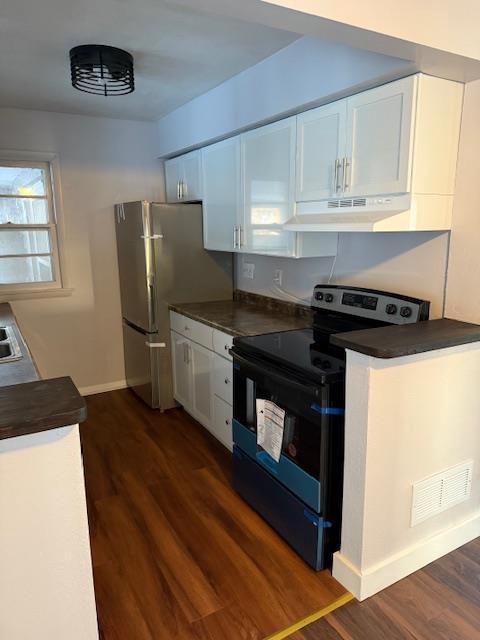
[155, 236]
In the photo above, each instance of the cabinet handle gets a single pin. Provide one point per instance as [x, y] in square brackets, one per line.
[345, 165]
[337, 169]
[240, 236]
[185, 353]
[184, 190]
[187, 349]
[235, 236]
[178, 189]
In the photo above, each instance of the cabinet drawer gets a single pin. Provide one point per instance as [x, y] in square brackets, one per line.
[196, 331]
[222, 343]
[222, 423]
[223, 379]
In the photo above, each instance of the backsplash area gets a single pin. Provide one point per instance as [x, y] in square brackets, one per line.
[409, 263]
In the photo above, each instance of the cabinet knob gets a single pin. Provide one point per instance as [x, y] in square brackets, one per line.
[226, 347]
[227, 380]
[227, 422]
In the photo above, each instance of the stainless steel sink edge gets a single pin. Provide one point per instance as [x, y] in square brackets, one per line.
[9, 343]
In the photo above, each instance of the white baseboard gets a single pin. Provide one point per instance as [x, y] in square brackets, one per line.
[102, 388]
[367, 583]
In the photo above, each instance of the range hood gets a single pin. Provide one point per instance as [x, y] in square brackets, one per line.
[404, 212]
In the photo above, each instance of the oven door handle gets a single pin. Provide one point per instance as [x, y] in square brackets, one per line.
[291, 382]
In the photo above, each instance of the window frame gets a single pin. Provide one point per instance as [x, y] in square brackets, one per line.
[50, 164]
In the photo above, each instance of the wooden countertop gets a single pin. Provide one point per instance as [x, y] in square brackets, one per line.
[27, 403]
[247, 315]
[406, 340]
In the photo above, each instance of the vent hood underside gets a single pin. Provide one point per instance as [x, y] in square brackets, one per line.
[405, 212]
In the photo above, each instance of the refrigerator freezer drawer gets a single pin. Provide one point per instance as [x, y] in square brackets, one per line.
[289, 516]
[141, 364]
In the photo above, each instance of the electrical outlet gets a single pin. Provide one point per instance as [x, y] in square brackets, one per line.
[248, 270]
[277, 277]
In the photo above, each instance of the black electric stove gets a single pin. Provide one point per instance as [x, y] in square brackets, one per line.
[296, 480]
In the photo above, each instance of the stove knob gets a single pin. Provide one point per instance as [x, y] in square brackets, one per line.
[328, 297]
[391, 309]
[405, 312]
[318, 295]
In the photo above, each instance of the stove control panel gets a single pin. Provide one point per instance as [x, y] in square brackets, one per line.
[381, 306]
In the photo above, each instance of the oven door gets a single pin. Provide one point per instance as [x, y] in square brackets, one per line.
[312, 447]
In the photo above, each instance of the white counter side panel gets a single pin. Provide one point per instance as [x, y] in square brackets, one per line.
[406, 419]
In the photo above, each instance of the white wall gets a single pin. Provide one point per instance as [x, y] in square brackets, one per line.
[306, 73]
[463, 301]
[409, 263]
[405, 420]
[102, 161]
[46, 582]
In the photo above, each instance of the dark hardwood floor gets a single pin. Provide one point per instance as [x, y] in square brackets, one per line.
[439, 602]
[177, 554]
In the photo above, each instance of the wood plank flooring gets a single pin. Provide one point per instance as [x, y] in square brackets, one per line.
[177, 554]
[439, 602]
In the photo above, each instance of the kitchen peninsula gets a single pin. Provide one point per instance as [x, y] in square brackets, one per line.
[46, 586]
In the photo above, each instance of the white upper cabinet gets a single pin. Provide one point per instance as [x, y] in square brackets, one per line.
[268, 170]
[183, 178]
[379, 135]
[221, 195]
[173, 177]
[321, 138]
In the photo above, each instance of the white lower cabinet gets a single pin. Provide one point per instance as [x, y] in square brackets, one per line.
[182, 376]
[222, 426]
[202, 390]
[202, 378]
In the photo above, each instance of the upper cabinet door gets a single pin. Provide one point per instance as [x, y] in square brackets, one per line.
[379, 136]
[221, 194]
[268, 169]
[191, 187]
[320, 149]
[173, 178]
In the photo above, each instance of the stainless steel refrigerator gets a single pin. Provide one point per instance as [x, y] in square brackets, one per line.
[161, 260]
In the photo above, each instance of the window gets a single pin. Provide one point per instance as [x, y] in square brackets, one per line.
[28, 232]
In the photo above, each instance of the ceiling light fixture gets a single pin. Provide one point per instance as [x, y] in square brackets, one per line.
[102, 70]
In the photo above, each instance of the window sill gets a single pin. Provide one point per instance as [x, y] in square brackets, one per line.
[31, 294]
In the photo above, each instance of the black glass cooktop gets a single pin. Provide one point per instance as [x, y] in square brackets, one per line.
[296, 350]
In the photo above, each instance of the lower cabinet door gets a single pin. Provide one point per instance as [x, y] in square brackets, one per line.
[223, 379]
[222, 425]
[201, 361]
[182, 375]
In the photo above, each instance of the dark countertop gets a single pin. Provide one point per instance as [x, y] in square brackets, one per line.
[406, 340]
[39, 406]
[248, 316]
[27, 403]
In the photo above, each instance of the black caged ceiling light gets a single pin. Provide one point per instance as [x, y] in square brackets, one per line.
[102, 70]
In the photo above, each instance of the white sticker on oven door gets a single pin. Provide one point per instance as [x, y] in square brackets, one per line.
[270, 425]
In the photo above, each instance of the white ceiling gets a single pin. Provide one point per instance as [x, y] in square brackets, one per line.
[179, 53]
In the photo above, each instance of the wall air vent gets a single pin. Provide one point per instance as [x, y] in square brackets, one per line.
[360, 202]
[346, 202]
[333, 204]
[437, 493]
